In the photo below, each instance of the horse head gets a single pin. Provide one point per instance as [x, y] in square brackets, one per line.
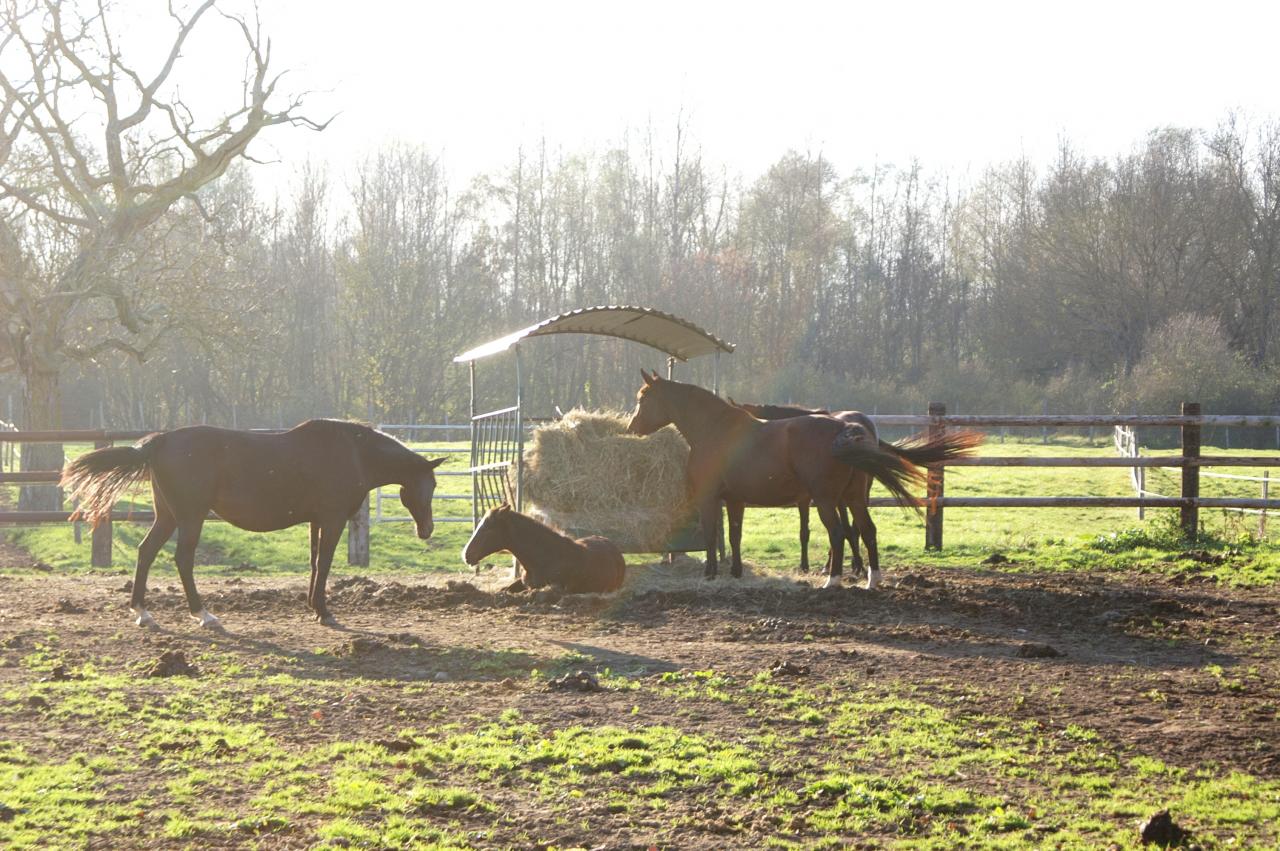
[490, 535]
[651, 407]
[416, 495]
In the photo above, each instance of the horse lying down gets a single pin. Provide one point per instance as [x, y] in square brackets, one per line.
[546, 557]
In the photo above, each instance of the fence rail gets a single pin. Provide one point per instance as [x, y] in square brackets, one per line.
[1190, 422]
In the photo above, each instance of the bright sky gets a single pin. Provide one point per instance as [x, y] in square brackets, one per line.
[956, 84]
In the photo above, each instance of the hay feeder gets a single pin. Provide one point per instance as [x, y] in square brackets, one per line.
[639, 516]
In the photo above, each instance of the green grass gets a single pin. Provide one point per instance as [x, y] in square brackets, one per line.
[821, 764]
[1043, 538]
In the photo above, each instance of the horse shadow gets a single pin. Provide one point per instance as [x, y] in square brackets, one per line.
[1107, 622]
[404, 657]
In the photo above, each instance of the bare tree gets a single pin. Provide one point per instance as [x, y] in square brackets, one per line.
[94, 152]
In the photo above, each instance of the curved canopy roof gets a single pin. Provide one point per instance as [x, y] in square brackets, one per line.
[667, 333]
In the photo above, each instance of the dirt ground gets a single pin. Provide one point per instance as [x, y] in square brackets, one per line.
[1119, 640]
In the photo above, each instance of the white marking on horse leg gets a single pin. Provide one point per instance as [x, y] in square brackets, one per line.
[832, 582]
[873, 579]
[207, 620]
[144, 618]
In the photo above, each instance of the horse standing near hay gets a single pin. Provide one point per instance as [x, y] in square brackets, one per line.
[861, 483]
[740, 460]
[319, 472]
[546, 557]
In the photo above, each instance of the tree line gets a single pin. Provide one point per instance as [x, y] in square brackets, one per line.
[1123, 283]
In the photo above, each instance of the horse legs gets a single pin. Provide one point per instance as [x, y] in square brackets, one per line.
[160, 532]
[329, 536]
[803, 505]
[709, 516]
[735, 510]
[185, 556]
[830, 515]
[852, 538]
[867, 529]
[315, 549]
[857, 559]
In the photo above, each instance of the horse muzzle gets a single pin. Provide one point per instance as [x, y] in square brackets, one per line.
[638, 428]
[425, 530]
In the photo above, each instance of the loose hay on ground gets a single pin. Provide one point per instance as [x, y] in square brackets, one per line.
[584, 474]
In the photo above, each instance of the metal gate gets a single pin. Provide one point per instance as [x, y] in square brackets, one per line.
[497, 453]
[497, 443]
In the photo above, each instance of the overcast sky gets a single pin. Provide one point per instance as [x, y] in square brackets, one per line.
[957, 85]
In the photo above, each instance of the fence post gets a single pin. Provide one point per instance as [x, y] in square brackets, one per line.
[1266, 494]
[358, 536]
[1142, 491]
[1190, 512]
[935, 482]
[100, 542]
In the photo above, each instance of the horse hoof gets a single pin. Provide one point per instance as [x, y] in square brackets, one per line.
[832, 582]
[326, 619]
[873, 580]
[145, 620]
[208, 621]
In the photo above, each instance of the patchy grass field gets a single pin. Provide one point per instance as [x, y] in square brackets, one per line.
[752, 713]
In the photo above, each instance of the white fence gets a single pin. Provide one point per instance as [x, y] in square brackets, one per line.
[1126, 443]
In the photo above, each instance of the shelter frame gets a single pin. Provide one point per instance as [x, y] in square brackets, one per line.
[497, 436]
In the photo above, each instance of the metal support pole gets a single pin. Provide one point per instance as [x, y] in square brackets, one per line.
[671, 368]
[1190, 512]
[519, 433]
[935, 483]
[715, 375]
[475, 477]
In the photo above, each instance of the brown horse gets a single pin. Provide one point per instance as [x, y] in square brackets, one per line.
[318, 472]
[861, 483]
[546, 557]
[743, 461]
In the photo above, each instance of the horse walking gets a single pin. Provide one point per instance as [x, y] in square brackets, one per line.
[318, 472]
[546, 557]
[740, 460]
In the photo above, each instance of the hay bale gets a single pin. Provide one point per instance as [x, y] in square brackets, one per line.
[584, 474]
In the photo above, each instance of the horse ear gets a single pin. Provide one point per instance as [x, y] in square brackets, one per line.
[436, 462]
[648, 379]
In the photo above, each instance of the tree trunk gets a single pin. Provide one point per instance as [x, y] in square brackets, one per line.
[44, 411]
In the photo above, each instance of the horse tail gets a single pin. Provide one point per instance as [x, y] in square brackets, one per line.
[898, 473]
[96, 479]
[921, 450]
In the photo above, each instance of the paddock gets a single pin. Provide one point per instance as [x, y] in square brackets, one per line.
[1015, 701]
[495, 452]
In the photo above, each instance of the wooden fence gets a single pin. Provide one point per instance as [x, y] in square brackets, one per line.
[1190, 423]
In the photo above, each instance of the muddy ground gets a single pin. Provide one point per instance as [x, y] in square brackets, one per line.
[1058, 649]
